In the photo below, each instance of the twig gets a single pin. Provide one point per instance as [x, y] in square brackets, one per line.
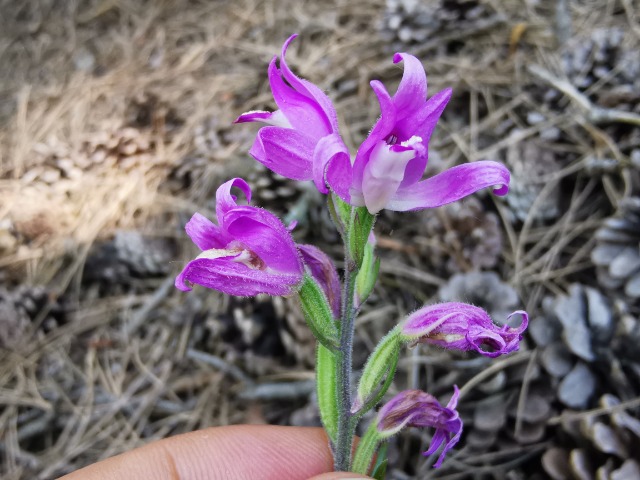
[220, 364]
[279, 391]
[595, 412]
[595, 114]
[524, 392]
[493, 369]
[152, 302]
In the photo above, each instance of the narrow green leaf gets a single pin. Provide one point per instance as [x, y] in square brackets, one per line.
[359, 233]
[326, 384]
[368, 274]
[340, 212]
[379, 469]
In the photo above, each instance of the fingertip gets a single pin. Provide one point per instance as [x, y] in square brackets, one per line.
[243, 451]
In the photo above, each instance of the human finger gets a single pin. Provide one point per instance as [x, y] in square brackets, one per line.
[222, 453]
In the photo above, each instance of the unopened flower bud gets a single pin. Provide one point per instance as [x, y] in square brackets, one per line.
[460, 326]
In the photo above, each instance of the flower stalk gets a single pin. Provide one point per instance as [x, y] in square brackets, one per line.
[344, 355]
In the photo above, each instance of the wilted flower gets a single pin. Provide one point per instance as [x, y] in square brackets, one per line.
[461, 326]
[324, 272]
[249, 252]
[302, 141]
[389, 164]
[415, 408]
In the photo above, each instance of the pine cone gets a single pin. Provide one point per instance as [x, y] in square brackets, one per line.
[582, 352]
[483, 289]
[530, 160]
[604, 447]
[458, 237]
[410, 22]
[617, 254]
[123, 148]
[23, 305]
[588, 60]
[128, 255]
[266, 332]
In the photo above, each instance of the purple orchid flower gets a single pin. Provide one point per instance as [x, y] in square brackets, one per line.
[302, 140]
[463, 327]
[415, 408]
[249, 252]
[324, 272]
[390, 163]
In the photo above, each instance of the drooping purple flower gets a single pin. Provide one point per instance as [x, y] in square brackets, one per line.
[324, 272]
[415, 408]
[249, 252]
[390, 163]
[461, 326]
[302, 140]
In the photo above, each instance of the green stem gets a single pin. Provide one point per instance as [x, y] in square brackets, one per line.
[346, 424]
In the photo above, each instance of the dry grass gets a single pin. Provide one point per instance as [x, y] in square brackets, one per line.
[118, 373]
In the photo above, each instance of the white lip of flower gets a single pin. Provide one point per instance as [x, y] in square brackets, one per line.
[276, 118]
[241, 255]
[447, 337]
[385, 171]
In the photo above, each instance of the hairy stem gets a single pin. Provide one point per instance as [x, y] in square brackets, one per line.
[346, 422]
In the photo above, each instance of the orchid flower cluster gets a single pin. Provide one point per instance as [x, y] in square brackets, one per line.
[250, 251]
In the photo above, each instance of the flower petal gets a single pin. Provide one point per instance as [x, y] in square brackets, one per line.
[235, 278]
[412, 90]
[225, 201]
[285, 151]
[380, 131]
[276, 118]
[309, 89]
[265, 235]
[425, 120]
[204, 233]
[332, 165]
[451, 185]
[303, 112]
[384, 173]
[454, 426]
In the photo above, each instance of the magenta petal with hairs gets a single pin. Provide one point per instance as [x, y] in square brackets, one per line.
[324, 272]
[391, 161]
[415, 408]
[461, 326]
[302, 141]
[249, 252]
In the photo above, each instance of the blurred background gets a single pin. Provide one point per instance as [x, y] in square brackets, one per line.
[115, 127]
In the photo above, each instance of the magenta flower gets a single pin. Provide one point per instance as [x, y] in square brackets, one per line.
[415, 408]
[249, 252]
[302, 141]
[461, 326]
[324, 272]
[390, 163]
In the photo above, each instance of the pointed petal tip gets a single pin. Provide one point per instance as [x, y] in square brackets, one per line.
[501, 191]
[286, 44]
[524, 323]
[180, 282]
[252, 116]
[399, 56]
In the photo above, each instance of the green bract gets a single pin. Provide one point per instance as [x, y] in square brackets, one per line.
[317, 313]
